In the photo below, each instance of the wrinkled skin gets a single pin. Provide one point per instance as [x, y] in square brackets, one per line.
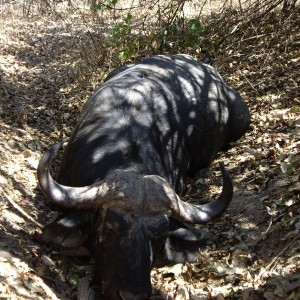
[132, 246]
[129, 241]
[166, 116]
[138, 243]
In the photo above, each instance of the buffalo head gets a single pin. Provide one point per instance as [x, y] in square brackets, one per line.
[128, 221]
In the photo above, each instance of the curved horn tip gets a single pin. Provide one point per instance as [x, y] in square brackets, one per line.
[225, 175]
[202, 214]
[68, 196]
[226, 178]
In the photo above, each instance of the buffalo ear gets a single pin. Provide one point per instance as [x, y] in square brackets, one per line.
[69, 231]
[183, 243]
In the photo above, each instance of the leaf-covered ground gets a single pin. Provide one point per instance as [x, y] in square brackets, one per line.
[253, 251]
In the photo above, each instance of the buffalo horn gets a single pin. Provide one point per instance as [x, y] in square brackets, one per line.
[149, 194]
[161, 198]
[201, 214]
[70, 197]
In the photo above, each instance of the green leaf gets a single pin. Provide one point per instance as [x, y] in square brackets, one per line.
[192, 41]
[74, 280]
[126, 53]
[286, 168]
[98, 6]
[128, 18]
[194, 25]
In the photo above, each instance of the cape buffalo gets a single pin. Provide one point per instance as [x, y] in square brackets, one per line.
[144, 131]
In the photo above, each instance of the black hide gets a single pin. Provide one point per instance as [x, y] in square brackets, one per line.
[166, 116]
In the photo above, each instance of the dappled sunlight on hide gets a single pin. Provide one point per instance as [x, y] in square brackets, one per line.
[151, 98]
[140, 136]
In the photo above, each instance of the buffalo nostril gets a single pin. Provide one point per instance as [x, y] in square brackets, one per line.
[126, 295]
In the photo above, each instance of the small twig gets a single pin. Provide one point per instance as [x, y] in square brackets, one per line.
[273, 262]
[253, 37]
[248, 81]
[21, 211]
[268, 229]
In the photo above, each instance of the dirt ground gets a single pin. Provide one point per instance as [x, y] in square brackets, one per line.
[253, 251]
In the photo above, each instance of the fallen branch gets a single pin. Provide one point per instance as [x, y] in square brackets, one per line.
[22, 212]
